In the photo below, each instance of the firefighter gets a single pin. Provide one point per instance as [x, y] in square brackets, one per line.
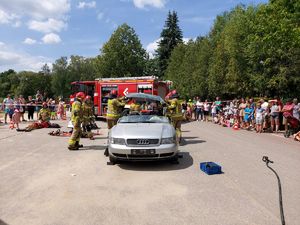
[44, 113]
[44, 120]
[135, 108]
[76, 118]
[114, 110]
[87, 108]
[174, 112]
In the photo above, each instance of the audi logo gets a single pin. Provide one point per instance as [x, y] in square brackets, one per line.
[142, 141]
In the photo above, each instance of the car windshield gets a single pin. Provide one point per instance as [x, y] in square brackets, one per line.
[143, 119]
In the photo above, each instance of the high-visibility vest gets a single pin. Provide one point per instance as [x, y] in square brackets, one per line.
[134, 107]
[87, 112]
[113, 108]
[175, 109]
[77, 113]
[44, 115]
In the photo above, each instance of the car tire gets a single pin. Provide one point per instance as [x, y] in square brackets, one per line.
[113, 160]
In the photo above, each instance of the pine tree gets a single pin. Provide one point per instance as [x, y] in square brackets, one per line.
[170, 36]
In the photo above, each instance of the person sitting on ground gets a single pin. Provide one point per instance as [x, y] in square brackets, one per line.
[44, 120]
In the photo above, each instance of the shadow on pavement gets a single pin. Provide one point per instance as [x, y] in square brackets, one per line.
[93, 147]
[2, 222]
[184, 162]
[96, 138]
[184, 141]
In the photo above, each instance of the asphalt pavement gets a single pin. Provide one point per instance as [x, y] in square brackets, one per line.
[44, 183]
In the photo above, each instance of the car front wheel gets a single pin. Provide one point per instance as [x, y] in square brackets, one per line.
[113, 160]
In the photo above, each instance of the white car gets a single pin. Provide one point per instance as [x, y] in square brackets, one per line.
[142, 137]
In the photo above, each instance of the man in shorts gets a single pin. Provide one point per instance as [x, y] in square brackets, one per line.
[8, 106]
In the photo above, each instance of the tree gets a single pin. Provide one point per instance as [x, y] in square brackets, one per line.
[61, 78]
[170, 36]
[45, 69]
[123, 55]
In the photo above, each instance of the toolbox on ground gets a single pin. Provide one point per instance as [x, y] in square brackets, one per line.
[210, 168]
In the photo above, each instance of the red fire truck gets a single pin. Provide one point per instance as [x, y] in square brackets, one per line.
[100, 89]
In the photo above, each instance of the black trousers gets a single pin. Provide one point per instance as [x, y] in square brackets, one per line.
[30, 113]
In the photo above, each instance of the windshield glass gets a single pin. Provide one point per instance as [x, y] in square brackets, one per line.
[144, 119]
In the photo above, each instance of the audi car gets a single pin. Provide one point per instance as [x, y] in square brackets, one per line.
[142, 137]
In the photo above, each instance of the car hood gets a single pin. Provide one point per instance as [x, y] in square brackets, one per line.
[143, 130]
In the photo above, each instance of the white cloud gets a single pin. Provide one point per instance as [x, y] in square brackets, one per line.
[7, 18]
[10, 59]
[153, 3]
[51, 39]
[29, 41]
[44, 16]
[47, 26]
[82, 5]
[36, 8]
[152, 47]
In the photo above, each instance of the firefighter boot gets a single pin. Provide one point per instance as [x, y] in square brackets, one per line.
[78, 145]
[71, 148]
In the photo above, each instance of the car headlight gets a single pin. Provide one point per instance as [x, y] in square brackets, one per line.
[117, 141]
[170, 140]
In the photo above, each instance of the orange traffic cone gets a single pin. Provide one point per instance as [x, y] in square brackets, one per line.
[235, 126]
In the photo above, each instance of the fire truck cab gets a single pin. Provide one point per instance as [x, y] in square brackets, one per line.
[101, 88]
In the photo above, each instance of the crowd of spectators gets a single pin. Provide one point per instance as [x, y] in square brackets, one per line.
[262, 115]
[15, 108]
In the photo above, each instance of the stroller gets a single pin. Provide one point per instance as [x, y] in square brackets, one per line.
[292, 122]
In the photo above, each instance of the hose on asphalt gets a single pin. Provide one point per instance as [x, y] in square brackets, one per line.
[267, 161]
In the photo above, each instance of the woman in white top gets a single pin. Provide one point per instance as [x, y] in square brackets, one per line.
[206, 107]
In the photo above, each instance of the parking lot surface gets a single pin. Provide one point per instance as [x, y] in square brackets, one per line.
[44, 183]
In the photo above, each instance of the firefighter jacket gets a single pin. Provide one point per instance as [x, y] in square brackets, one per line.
[174, 109]
[77, 113]
[44, 115]
[87, 112]
[114, 108]
[135, 107]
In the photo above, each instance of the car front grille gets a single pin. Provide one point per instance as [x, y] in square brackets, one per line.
[142, 142]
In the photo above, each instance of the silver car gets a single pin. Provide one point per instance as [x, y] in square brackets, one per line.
[142, 137]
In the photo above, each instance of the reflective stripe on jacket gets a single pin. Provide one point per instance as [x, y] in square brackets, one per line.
[113, 108]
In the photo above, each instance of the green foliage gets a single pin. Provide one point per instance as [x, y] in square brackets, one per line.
[122, 55]
[170, 36]
[249, 51]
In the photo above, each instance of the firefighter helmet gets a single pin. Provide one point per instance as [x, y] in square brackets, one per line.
[80, 95]
[88, 97]
[113, 93]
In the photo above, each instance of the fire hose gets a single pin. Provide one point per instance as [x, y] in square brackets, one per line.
[267, 161]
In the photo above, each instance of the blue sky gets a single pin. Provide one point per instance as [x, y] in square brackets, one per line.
[34, 32]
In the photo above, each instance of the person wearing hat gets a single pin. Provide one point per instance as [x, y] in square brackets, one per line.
[174, 112]
[76, 119]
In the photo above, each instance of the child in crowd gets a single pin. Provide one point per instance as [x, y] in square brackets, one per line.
[60, 109]
[259, 115]
[248, 111]
[16, 118]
